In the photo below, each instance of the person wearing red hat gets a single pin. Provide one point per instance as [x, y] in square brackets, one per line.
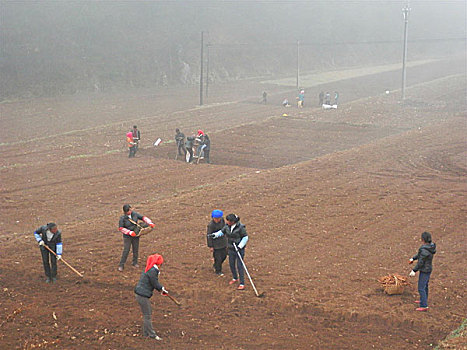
[149, 281]
[131, 144]
[200, 142]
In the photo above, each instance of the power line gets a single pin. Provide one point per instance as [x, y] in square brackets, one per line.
[374, 42]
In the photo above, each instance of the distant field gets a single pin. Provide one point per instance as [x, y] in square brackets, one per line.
[315, 79]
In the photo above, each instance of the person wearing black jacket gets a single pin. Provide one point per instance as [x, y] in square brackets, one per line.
[425, 266]
[149, 281]
[321, 98]
[218, 245]
[136, 137]
[129, 227]
[49, 235]
[180, 140]
[206, 148]
[237, 239]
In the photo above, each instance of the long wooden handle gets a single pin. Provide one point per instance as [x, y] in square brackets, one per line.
[173, 299]
[71, 267]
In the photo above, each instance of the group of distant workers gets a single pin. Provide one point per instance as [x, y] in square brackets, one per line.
[195, 146]
[324, 100]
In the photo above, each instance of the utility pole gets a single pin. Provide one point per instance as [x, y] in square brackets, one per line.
[201, 71]
[298, 62]
[405, 12]
[207, 71]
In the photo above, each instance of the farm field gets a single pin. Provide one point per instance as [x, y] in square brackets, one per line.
[332, 200]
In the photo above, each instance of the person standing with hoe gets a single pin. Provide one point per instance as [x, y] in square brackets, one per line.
[128, 226]
[237, 238]
[136, 137]
[149, 281]
[206, 148]
[217, 245]
[425, 266]
[180, 140]
[49, 235]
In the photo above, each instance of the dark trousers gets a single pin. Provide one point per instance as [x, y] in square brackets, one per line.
[127, 242]
[206, 156]
[50, 268]
[423, 280]
[181, 147]
[236, 264]
[132, 151]
[219, 257]
[146, 310]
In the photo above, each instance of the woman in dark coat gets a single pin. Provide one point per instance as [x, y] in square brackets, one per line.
[237, 238]
[425, 266]
[149, 281]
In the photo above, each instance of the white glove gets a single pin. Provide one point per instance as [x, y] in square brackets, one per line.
[412, 273]
[411, 260]
[59, 257]
[164, 291]
[218, 234]
[41, 243]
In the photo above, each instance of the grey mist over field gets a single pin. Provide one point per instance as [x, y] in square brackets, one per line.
[66, 47]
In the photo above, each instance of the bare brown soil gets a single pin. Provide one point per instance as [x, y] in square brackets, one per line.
[332, 200]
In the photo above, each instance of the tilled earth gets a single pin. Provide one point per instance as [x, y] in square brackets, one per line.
[332, 200]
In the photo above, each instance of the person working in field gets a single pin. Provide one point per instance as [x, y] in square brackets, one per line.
[129, 227]
[327, 99]
[199, 141]
[206, 148]
[336, 98]
[237, 239]
[136, 137]
[131, 145]
[301, 99]
[180, 140]
[217, 245]
[189, 143]
[149, 281]
[424, 259]
[49, 235]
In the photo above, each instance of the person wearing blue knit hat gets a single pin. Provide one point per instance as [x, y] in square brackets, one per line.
[217, 243]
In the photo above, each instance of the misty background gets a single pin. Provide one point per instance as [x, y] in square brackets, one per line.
[67, 47]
